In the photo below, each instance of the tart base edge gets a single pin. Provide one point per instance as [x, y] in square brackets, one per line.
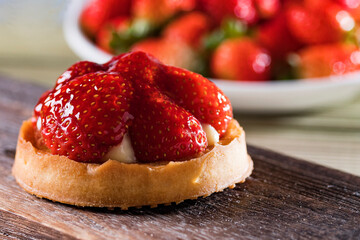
[116, 184]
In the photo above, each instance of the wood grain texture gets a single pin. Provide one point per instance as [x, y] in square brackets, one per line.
[284, 198]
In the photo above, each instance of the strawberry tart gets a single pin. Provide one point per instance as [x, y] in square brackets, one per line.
[129, 133]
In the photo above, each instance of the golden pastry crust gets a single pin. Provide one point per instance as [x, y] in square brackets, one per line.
[116, 184]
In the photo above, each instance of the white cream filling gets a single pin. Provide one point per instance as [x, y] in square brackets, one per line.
[211, 134]
[123, 152]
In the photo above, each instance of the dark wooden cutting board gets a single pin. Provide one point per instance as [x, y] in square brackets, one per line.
[284, 198]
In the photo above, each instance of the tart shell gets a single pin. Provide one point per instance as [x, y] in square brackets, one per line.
[124, 185]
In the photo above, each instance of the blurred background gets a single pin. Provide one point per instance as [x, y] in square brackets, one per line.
[32, 48]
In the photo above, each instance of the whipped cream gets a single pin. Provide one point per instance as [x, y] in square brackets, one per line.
[123, 152]
[211, 134]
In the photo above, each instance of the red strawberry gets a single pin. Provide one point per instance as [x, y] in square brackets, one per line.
[198, 95]
[191, 91]
[329, 59]
[170, 52]
[162, 130]
[275, 36]
[241, 9]
[97, 12]
[88, 115]
[37, 110]
[158, 11]
[76, 70]
[318, 23]
[137, 67]
[267, 8]
[241, 59]
[352, 6]
[160, 107]
[190, 29]
[105, 35]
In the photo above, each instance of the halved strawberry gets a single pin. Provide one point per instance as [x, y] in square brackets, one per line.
[197, 95]
[161, 130]
[137, 67]
[160, 107]
[76, 70]
[190, 90]
[87, 116]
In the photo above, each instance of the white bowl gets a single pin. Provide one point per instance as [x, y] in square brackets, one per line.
[265, 97]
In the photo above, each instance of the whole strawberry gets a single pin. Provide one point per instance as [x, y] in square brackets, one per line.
[241, 59]
[219, 10]
[328, 59]
[170, 52]
[86, 116]
[276, 37]
[114, 26]
[318, 22]
[267, 8]
[157, 12]
[97, 12]
[189, 29]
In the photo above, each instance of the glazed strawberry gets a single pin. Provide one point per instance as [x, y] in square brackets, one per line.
[76, 70]
[328, 59]
[189, 28]
[319, 23]
[198, 95]
[37, 110]
[241, 59]
[161, 130]
[113, 26]
[136, 67]
[86, 116]
[161, 108]
[97, 12]
[170, 52]
[191, 91]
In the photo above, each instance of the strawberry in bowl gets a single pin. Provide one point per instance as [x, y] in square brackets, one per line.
[190, 34]
[132, 132]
